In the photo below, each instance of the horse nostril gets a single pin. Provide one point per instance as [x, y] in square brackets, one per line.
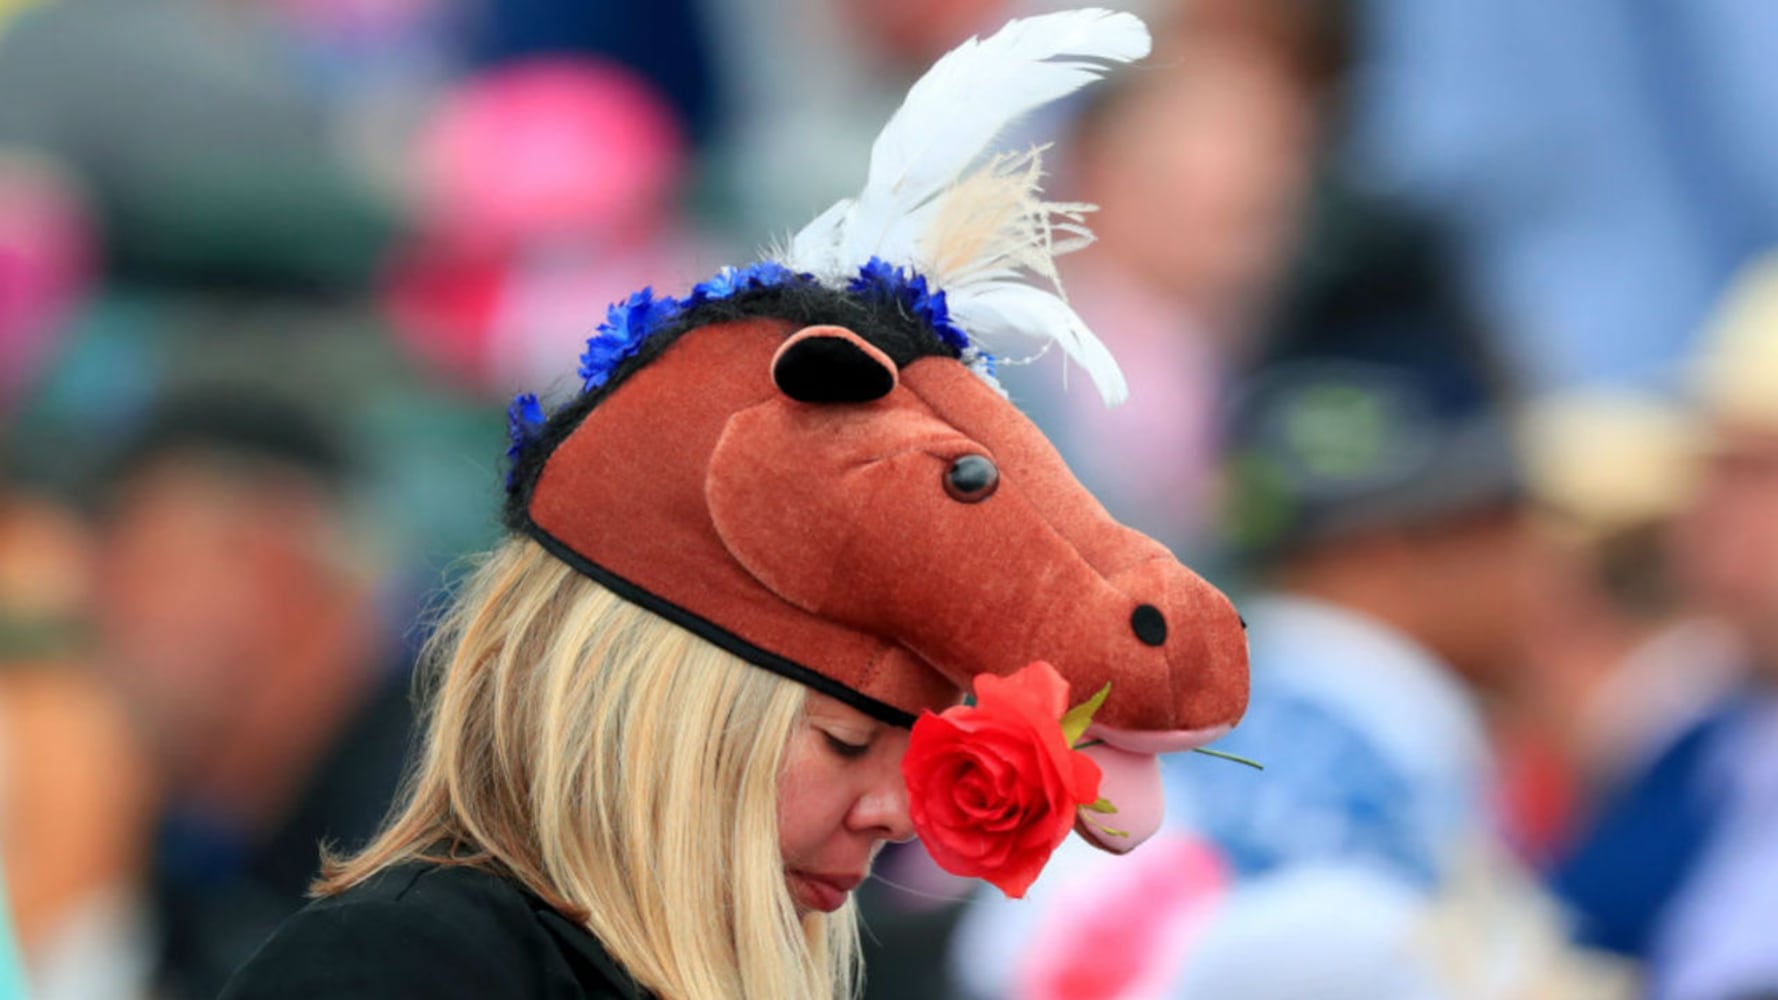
[1149, 624]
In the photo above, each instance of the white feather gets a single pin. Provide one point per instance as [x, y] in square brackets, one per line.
[997, 312]
[980, 88]
[994, 223]
[815, 248]
[917, 190]
[950, 117]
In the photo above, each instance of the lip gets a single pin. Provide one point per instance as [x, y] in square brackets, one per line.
[822, 891]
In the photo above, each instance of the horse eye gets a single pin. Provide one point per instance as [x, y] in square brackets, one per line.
[972, 479]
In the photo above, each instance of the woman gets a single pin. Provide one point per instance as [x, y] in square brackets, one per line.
[721, 869]
[803, 466]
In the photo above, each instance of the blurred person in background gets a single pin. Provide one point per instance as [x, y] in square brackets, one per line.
[1376, 491]
[1377, 500]
[237, 613]
[234, 611]
[1200, 168]
[75, 794]
[1681, 866]
[1618, 663]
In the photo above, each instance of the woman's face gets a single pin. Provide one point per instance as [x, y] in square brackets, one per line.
[840, 796]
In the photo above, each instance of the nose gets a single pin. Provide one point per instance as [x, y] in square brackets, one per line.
[1185, 630]
[882, 810]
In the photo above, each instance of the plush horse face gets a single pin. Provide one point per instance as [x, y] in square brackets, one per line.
[886, 534]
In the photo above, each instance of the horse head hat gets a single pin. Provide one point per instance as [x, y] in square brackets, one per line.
[807, 461]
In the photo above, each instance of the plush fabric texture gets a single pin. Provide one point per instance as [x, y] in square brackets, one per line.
[817, 538]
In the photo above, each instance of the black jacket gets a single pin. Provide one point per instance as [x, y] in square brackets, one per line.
[216, 895]
[439, 933]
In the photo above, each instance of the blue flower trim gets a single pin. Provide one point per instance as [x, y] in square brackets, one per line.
[524, 418]
[627, 324]
[631, 322]
[732, 281]
[881, 280]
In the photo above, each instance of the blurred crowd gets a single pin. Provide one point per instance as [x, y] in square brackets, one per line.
[1452, 339]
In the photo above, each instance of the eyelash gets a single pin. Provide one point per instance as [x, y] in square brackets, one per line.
[844, 749]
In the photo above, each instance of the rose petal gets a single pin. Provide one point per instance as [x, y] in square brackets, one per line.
[994, 788]
[1035, 691]
[1087, 776]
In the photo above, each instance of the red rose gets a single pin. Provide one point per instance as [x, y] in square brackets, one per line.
[994, 787]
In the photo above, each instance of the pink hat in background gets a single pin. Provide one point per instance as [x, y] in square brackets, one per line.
[549, 148]
[541, 186]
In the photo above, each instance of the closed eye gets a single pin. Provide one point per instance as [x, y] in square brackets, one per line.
[844, 749]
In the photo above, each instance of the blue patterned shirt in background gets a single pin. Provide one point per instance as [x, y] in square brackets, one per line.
[1374, 755]
[1375, 786]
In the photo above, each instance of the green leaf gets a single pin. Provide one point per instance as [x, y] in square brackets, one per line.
[1081, 716]
[1103, 805]
[1112, 832]
[1256, 765]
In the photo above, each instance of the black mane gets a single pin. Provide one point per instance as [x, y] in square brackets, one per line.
[882, 322]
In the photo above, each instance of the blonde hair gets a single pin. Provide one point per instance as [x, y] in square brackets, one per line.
[621, 768]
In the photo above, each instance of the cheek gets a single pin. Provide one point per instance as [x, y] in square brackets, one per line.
[812, 803]
[818, 794]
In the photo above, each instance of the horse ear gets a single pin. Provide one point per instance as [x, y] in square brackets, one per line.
[831, 364]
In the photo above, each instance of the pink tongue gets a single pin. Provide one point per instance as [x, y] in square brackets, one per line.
[1132, 782]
